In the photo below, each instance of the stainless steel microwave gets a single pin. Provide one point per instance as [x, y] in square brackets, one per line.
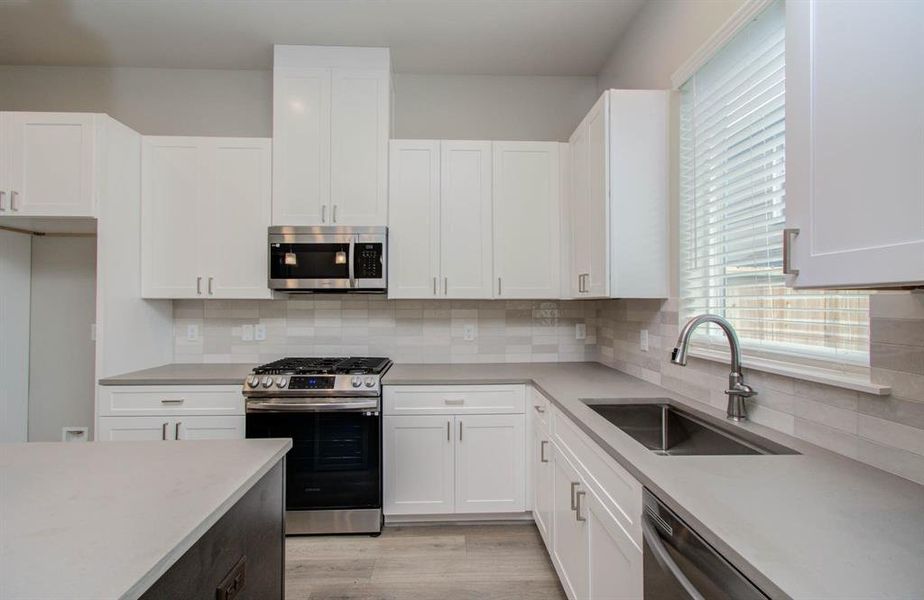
[328, 259]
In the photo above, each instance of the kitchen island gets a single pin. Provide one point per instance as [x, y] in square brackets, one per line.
[137, 519]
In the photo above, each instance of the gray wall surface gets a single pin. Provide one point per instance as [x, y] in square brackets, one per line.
[215, 102]
[61, 353]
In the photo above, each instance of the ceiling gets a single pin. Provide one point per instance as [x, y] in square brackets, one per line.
[489, 37]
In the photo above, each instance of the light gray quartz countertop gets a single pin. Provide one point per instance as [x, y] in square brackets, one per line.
[185, 374]
[105, 520]
[813, 525]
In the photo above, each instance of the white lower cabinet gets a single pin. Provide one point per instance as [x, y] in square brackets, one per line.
[170, 412]
[541, 456]
[442, 457]
[614, 561]
[418, 464]
[490, 464]
[569, 534]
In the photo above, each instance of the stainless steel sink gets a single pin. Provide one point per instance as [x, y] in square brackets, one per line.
[665, 429]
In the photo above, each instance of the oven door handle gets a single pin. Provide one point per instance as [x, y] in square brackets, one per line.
[261, 406]
[665, 561]
[350, 258]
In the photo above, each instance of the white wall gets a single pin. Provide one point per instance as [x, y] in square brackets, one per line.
[662, 37]
[61, 364]
[239, 103]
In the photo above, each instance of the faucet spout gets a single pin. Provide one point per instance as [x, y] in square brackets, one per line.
[737, 390]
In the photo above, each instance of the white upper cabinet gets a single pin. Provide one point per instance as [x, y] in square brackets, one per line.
[205, 210]
[527, 219]
[855, 143]
[414, 219]
[331, 123]
[618, 205]
[47, 164]
[465, 219]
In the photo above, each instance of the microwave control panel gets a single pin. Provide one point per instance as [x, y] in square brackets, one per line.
[367, 263]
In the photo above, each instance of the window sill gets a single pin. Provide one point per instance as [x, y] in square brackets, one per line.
[859, 382]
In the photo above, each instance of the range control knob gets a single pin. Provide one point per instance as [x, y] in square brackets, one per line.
[369, 381]
[356, 381]
[254, 381]
[267, 381]
[281, 382]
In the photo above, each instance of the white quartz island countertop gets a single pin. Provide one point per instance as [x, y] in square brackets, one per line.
[105, 520]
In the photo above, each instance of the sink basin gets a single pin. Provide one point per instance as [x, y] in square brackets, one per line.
[665, 429]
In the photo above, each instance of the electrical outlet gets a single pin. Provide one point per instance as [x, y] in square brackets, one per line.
[247, 333]
[259, 332]
[192, 332]
[643, 340]
[468, 332]
[580, 331]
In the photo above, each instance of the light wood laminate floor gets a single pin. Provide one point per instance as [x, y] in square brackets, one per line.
[444, 562]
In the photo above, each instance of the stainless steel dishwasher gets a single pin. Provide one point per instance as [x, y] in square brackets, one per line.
[680, 565]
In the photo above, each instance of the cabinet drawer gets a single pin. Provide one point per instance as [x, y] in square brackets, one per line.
[454, 399]
[170, 400]
[617, 489]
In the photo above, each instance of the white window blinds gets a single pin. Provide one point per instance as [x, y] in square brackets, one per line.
[732, 207]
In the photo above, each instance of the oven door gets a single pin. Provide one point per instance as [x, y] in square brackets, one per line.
[327, 258]
[336, 457]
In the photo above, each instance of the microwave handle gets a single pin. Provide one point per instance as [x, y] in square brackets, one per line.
[350, 260]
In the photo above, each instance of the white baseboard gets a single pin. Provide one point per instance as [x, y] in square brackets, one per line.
[466, 519]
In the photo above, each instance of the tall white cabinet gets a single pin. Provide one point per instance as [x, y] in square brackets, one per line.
[331, 124]
[855, 143]
[619, 198]
[205, 210]
[48, 164]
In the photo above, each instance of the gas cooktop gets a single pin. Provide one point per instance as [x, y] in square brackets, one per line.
[353, 365]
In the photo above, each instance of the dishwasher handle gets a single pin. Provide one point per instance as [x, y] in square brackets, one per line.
[664, 559]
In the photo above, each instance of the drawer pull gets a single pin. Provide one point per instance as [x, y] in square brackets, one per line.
[577, 506]
[542, 457]
[173, 401]
[163, 432]
[454, 401]
[574, 485]
[176, 430]
[539, 409]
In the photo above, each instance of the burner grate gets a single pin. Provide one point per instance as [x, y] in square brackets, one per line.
[325, 365]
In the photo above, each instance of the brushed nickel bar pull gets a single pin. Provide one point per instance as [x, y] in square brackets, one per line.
[324, 213]
[435, 289]
[210, 285]
[577, 506]
[539, 409]
[448, 427]
[176, 430]
[460, 431]
[445, 286]
[574, 485]
[499, 288]
[173, 401]
[15, 206]
[788, 234]
[334, 214]
[163, 432]
[2, 199]
[198, 286]
[542, 457]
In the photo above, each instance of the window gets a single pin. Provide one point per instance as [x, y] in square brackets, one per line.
[732, 209]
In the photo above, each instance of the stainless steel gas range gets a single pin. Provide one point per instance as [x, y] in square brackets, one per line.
[331, 408]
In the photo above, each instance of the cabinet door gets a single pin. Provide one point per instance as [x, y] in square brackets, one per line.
[541, 455]
[615, 562]
[50, 163]
[418, 464]
[596, 284]
[414, 219]
[134, 429]
[490, 463]
[580, 210]
[855, 142]
[526, 219]
[359, 146]
[235, 218]
[208, 428]
[172, 188]
[301, 146]
[465, 217]
[569, 535]
[15, 296]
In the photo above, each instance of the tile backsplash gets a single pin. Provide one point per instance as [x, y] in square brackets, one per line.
[884, 431]
[887, 432]
[410, 331]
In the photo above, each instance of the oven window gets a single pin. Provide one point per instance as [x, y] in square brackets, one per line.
[309, 261]
[334, 461]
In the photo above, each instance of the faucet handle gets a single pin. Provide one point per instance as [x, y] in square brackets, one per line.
[741, 389]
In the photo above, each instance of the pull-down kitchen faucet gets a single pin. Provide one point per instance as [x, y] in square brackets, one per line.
[737, 390]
